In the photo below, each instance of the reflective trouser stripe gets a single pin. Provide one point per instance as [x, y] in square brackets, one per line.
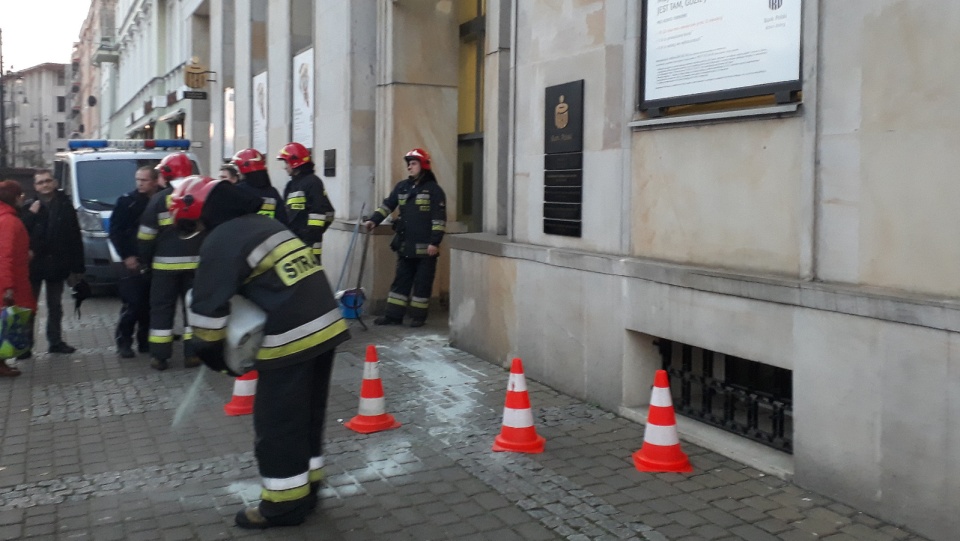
[161, 336]
[285, 490]
[316, 469]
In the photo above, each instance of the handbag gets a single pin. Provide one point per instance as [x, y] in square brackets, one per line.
[15, 331]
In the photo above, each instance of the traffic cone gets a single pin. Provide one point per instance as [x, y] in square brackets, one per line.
[244, 389]
[372, 416]
[518, 433]
[660, 451]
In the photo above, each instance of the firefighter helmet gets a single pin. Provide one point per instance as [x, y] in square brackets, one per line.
[294, 154]
[421, 156]
[188, 197]
[174, 166]
[249, 160]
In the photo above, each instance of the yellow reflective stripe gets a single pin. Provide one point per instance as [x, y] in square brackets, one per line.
[295, 200]
[382, 212]
[267, 213]
[174, 266]
[188, 336]
[145, 236]
[165, 221]
[415, 304]
[317, 223]
[316, 476]
[285, 495]
[265, 247]
[305, 343]
[210, 335]
[270, 260]
[160, 339]
[439, 228]
[268, 206]
[399, 302]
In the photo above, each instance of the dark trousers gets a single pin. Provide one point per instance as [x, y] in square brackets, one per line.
[416, 273]
[166, 288]
[134, 293]
[288, 418]
[54, 290]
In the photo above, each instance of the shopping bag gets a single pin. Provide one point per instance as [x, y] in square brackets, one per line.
[15, 335]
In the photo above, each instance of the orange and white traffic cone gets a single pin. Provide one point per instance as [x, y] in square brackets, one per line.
[372, 416]
[244, 390]
[660, 451]
[518, 433]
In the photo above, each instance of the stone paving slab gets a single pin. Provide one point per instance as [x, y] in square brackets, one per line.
[95, 447]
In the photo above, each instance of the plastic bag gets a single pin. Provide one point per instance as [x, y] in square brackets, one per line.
[15, 335]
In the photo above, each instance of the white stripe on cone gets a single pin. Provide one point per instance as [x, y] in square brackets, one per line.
[515, 418]
[371, 371]
[661, 435]
[372, 406]
[516, 383]
[661, 397]
[244, 387]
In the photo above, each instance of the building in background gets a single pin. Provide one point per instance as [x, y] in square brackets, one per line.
[92, 76]
[36, 114]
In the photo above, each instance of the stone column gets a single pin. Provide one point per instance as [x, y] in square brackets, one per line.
[279, 68]
[243, 99]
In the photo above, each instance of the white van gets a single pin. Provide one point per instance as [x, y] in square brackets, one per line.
[94, 174]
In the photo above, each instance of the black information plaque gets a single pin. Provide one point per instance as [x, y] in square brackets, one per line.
[330, 162]
[563, 160]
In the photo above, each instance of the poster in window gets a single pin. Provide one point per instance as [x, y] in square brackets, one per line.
[696, 51]
[229, 122]
[303, 98]
[260, 112]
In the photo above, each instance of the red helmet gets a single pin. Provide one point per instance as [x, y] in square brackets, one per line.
[249, 160]
[421, 156]
[186, 202]
[174, 166]
[294, 154]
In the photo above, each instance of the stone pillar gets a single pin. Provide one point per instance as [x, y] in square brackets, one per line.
[496, 116]
[222, 62]
[243, 99]
[197, 124]
[279, 68]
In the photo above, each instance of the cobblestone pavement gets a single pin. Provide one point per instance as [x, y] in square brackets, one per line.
[95, 447]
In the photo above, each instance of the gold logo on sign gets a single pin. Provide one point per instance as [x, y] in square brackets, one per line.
[195, 75]
[561, 114]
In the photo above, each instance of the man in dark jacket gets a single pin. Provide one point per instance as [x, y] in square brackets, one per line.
[255, 179]
[420, 228]
[57, 250]
[134, 286]
[309, 211]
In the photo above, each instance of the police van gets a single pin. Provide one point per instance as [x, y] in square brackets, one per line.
[94, 173]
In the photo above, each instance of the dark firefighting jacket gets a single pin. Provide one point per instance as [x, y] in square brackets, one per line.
[309, 212]
[259, 185]
[159, 243]
[262, 260]
[423, 215]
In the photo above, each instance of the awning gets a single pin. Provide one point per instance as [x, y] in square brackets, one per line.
[138, 125]
[173, 116]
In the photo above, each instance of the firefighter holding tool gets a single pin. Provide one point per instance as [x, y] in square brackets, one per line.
[257, 257]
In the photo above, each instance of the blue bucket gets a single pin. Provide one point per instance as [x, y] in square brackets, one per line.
[351, 303]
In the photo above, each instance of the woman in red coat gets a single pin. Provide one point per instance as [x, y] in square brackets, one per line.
[14, 257]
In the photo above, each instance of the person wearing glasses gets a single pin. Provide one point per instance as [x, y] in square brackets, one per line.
[57, 250]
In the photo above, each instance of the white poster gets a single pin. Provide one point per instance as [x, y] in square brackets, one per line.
[229, 122]
[260, 113]
[702, 46]
[303, 98]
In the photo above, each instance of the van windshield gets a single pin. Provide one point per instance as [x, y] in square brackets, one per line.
[101, 182]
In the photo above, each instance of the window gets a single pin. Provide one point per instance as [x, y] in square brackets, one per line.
[61, 130]
[61, 104]
[61, 77]
[471, 14]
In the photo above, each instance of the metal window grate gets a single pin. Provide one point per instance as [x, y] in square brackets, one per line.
[747, 398]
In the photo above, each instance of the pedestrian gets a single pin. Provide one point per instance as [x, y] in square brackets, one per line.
[57, 249]
[309, 211]
[255, 179]
[229, 173]
[251, 255]
[15, 286]
[419, 231]
[134, 286]
[172, 260]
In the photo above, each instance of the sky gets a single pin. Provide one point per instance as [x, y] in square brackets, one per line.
[38, 31]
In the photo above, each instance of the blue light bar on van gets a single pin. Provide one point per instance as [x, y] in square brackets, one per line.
[128, 144]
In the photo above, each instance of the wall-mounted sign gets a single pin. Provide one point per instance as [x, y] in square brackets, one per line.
[259, 136]
[194, 95]
[563, 160]
[303, 102]
[695, 51]
[195, 74]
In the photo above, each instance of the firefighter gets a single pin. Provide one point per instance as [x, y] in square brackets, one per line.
[309, 212]
[257, 257]
[255, 179]
[419, 230]
[171, 261]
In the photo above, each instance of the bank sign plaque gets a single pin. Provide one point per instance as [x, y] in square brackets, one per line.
[563, 159]
[696, 51]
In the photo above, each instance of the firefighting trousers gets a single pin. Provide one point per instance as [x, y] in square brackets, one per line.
[166, 288]
[288, 418]
[134, 293]
[416, 273]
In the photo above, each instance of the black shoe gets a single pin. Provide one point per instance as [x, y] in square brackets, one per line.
[417, 323]
[143, 348]
[386, 320]
[62, 347]
[192, 362]
[25, 355]
[159, 364]
[125, 352]
[251, 519]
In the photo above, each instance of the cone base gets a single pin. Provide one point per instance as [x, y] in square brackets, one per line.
[677, 464]
[368, 424]
[238, 407]
[533, 447]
